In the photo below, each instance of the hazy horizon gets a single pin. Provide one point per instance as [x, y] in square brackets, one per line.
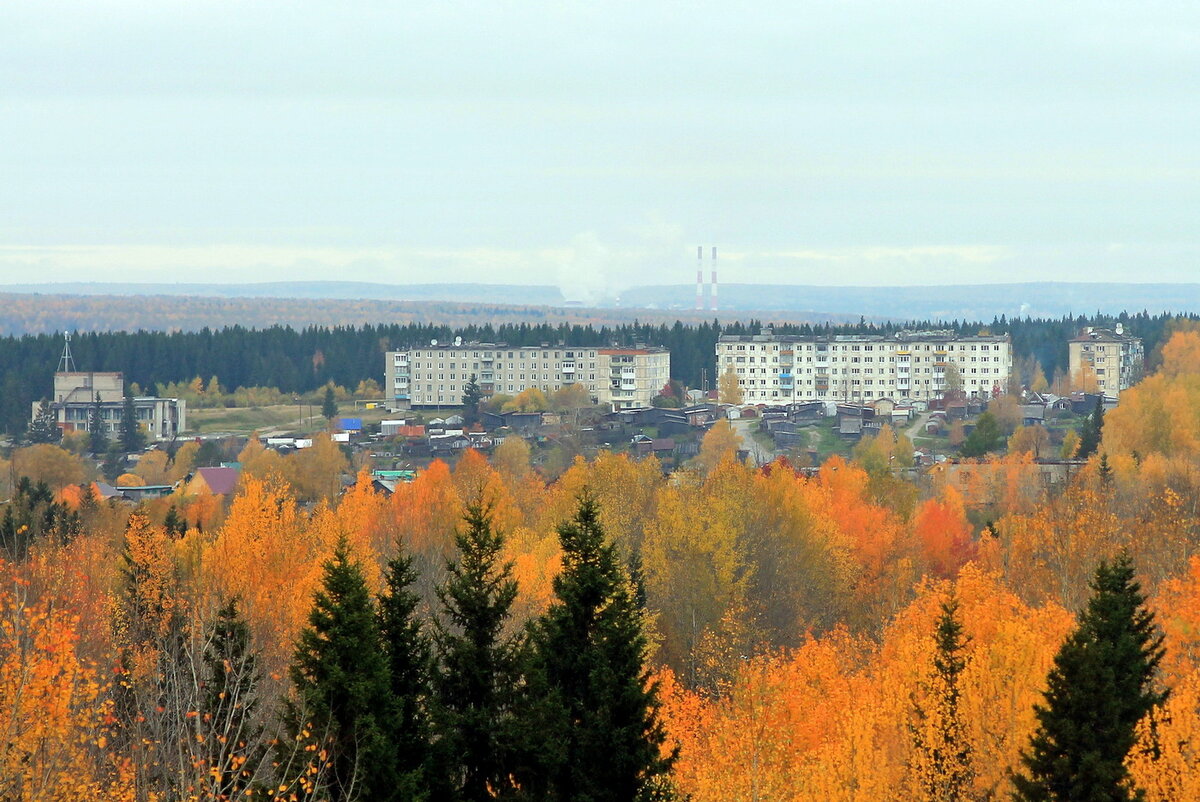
[593, 147]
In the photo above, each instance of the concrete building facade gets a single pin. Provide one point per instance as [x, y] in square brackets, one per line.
[635, 375]
[916, 365]
[76, 393]
[436, 374]
[1114, 358]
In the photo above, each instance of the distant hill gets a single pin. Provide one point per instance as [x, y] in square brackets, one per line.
[28, 313]
[979, 302]
[322, 290]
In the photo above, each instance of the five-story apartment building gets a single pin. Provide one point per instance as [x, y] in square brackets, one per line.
[1113, 357]
[436, 374]
[919, 366]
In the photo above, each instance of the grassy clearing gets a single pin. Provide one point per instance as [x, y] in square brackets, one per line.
[243, 420]
[829, 442]
[246, 420]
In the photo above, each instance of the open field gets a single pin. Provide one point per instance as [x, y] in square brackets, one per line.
[287, 417]
[243, 420]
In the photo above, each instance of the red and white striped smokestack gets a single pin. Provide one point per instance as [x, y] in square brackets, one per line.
[699, 278]
[714, 278]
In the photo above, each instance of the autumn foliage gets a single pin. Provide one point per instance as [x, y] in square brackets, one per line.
[790, 614]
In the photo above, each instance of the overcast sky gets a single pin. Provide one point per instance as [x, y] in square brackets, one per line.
[594, 144]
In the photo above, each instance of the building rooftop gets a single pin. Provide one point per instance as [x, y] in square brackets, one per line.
[900, 336]
[1091, 334]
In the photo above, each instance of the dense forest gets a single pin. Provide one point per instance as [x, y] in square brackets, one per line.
[302, 360]
[854, 632]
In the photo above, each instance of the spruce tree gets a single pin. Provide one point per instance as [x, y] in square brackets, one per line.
[598, 715]
[97, 436]
[942, 758]
[343, 689]
[475, 689]
[132, 437]
[409, 656]
[1093, 429]
[329, 405]
[44, 426]
[985, 437]
[472, 395]
[114, 463]
[1098, 689]
[174, 523]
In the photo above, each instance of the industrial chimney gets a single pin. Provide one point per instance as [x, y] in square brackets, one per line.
[699, 278]
[714, 278]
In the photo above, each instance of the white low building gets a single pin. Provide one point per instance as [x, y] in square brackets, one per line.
[77, 394]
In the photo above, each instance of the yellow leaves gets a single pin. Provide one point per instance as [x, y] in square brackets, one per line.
[720, 443]
[1181, 354]
[427, 510]
[54, 708]
[50, 464]
[830, 719]
[530, 400]
[267, 558]
[1161, 413]
[693, 566]
[729, 389]
[1165, 763]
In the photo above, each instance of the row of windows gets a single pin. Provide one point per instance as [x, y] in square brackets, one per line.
[515, 354]
[857, 347]
[902, 360]
[452, 397]
[882, 371]
[475, 366]
[546, 377]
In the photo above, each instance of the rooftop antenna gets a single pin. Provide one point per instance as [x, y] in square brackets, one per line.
[66, 364]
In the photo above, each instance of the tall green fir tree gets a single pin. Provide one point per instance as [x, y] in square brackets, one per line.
[942, 763]
[44, 426]
[410, 662]
[97, 433]
[342, 693]
[472, 395]
[132, 436]
[114, 463]
[601, 736]
[1093, 430]
[329, 404]
[1101, 684]
[475, 689]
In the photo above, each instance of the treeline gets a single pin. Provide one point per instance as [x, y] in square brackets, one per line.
[302, 360]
